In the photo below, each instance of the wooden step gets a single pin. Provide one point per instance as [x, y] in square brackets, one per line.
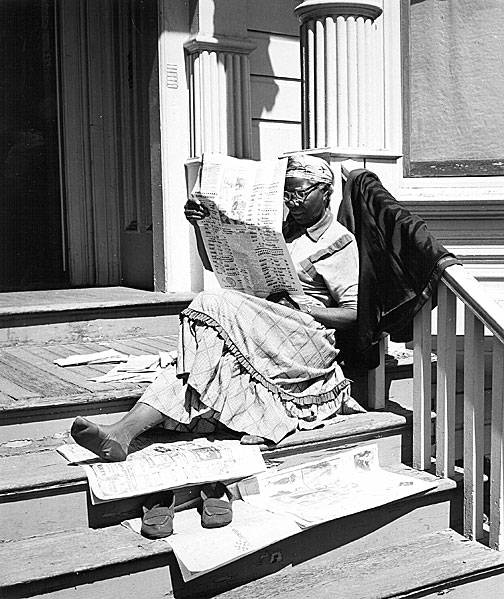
[40, 492]
[114, 561]
[39, 398]
[80, 315]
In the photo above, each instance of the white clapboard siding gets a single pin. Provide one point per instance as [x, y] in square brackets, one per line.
[275, 55]
[274, 16]
[275, 99]
[271, 139]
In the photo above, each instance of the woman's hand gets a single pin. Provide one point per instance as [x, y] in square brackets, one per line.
[282, 297]
[194, 210]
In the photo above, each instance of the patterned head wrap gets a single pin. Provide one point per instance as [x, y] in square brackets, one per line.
[310, 168]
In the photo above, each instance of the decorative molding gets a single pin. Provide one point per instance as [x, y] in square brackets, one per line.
[316, 9]
[201, 43]
[356, 153]
[457, 208]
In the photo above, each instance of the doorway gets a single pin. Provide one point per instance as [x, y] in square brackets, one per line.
[31, 212]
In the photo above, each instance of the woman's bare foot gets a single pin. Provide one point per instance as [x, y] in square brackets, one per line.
[102, 440]
[252, 440]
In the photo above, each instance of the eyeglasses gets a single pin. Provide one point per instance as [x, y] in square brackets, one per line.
[298, 196]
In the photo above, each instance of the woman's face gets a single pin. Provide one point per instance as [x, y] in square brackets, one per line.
[308, 206]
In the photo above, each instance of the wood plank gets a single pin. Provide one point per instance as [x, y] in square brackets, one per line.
[11, 389]
[445, 384]
[35, 378]
[393, 571]
[376, 381]
[473, 425]
[142, 345]
[125, 392]
[35, 356]
[497, 451]
[124, 345]
[84, 298]
[159, 344]
[422, 388]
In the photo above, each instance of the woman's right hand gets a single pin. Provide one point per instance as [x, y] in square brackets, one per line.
[194, 210]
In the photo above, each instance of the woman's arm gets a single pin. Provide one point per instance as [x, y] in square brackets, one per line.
[201, 248]
[340, 319]
[194, 211]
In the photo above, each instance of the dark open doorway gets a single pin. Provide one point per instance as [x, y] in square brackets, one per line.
[31, 230]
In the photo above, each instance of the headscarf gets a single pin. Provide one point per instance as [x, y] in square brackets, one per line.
[309, 167]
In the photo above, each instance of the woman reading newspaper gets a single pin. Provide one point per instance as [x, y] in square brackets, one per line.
[260, 367]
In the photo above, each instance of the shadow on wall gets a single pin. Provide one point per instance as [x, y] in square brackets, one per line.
[265, 101]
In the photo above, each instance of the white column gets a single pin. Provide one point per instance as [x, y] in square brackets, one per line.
[219, 87]
[342, 71]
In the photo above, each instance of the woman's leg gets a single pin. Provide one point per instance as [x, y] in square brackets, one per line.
[111, 441]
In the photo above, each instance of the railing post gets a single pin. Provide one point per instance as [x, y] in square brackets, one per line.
[497, 456]
[473, 425]
[422, 393]
[446, 375]
[376, 380]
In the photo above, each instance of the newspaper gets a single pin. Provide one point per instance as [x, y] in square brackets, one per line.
[351, 481]
[243, 231]
[138, 369]
[199, 550]
[133, 369]
[168, 466]
[102, 357]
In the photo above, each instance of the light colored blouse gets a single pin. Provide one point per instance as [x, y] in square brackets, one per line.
[327, 263]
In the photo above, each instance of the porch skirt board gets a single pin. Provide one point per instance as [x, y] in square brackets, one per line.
[253, 366]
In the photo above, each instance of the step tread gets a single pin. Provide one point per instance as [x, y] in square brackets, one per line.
[28, 464]
[394, 570]
[29, 379]
[60, 553]
[427, 562]
[64, 300]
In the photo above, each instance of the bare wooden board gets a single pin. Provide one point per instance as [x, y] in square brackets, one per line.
[420, 564]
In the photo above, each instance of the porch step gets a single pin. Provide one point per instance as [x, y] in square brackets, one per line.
[39, 398]
[80, 315]
[40, 492]
[113, 561]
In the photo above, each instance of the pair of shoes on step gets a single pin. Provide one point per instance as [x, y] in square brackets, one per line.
[159, 511]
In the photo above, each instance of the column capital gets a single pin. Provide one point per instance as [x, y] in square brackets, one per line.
[232, 45]
[313, 9]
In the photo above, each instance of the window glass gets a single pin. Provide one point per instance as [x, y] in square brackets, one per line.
[456, 87]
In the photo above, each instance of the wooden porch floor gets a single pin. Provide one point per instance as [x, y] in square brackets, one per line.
[29, 377]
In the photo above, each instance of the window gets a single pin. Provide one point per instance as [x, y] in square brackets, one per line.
[453, 87]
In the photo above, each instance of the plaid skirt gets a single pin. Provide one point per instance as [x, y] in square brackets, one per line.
[251, 365]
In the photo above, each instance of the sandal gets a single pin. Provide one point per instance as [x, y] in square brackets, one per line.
[216, 510]
[158, 514]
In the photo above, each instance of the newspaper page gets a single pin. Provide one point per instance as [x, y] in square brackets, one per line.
[330, 488]
[250, 530]
[162, 466]
[243, 231]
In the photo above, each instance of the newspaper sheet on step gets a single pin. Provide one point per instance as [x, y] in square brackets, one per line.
[199, 550]
[280, 503]
[351, 481]
[243, 232]
[163, 466]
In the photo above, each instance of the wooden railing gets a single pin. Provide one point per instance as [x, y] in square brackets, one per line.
[481, 315]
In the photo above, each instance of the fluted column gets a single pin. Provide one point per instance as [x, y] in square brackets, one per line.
[220, 107]
[342, 74]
